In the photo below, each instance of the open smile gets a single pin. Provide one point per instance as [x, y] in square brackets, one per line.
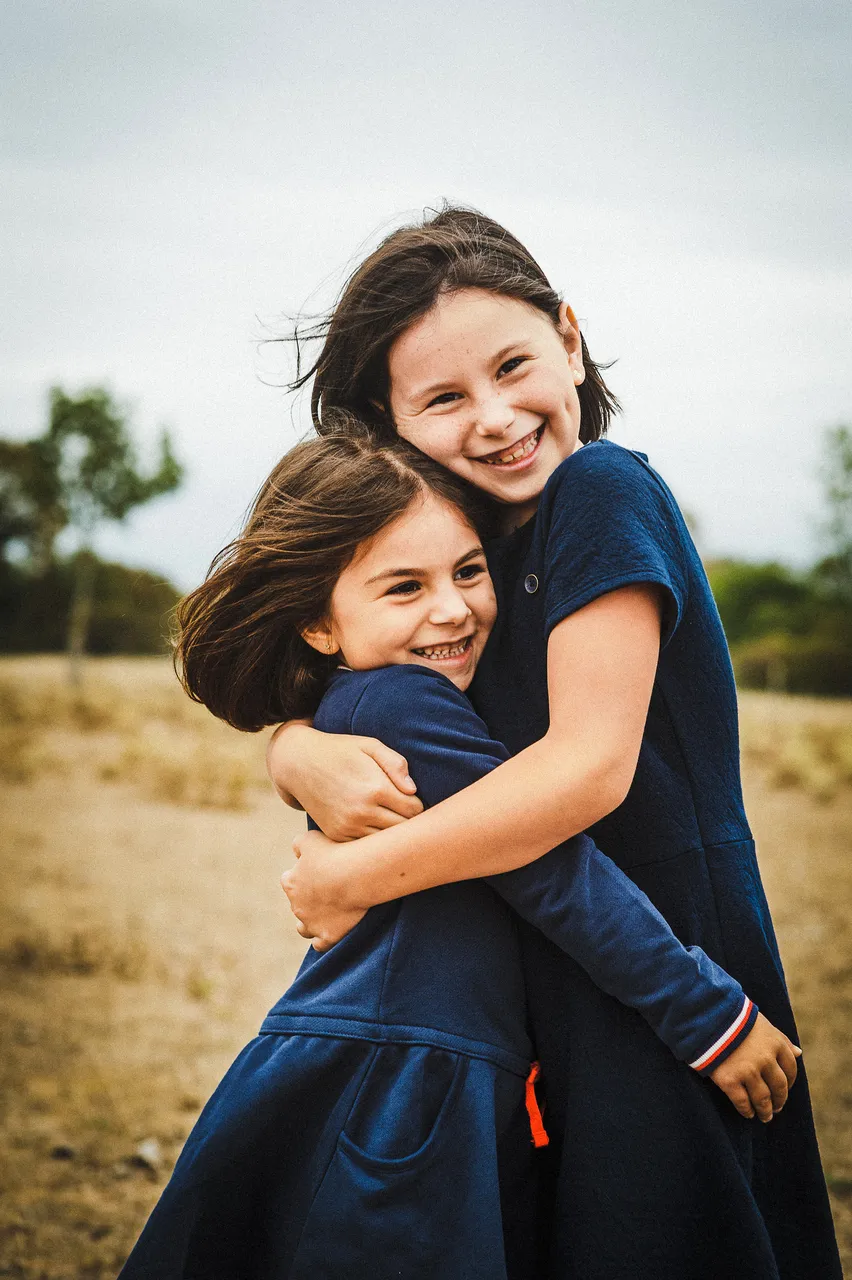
[517, 454]
[459, 649]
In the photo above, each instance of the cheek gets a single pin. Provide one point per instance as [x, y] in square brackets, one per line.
[486, 608]
[441, 441]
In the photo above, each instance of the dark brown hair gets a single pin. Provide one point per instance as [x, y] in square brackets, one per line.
[400, 281]
[239, 646]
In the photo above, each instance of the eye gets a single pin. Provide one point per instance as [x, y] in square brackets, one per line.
[409, 588]
[446, 397]
[469, 572]
[509, 366]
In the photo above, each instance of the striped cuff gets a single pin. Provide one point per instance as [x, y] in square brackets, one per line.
[728, 1041]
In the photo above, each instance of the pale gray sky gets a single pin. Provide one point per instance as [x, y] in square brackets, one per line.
[176, 176]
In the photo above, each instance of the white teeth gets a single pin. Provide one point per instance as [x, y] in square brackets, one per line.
[512, 455]
[443, 650]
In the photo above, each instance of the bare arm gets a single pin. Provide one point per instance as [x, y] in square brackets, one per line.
[601, 666]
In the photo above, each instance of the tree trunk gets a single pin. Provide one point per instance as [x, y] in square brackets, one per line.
[81, 612]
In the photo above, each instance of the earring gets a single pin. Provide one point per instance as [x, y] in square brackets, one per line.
[328, 647]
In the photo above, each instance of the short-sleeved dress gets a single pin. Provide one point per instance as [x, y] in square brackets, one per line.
[377, 1127]
[640, 1145]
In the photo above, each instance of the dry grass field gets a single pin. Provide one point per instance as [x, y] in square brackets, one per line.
[143, 936]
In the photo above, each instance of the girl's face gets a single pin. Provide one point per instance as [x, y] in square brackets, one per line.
[487, 385]
[418, 592]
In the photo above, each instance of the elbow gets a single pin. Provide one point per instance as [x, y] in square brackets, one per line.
[600, 782]
[607, 788]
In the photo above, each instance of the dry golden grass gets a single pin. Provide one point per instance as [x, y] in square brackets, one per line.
[143, 937]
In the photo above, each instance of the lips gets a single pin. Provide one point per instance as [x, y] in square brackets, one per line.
[514, 452]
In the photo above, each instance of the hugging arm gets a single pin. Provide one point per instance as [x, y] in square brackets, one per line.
[352, 785]
[609, 554]
[575, 895]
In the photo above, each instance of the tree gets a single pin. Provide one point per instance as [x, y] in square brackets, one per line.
[757, 599]
[89, 444]
[81, 472]
[833, 574]
[31, 508]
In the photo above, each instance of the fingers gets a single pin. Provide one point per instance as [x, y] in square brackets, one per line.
[393, 764]
[787, 1062]
[738, 1094]
[386, 797]
[384, 818]
[760, 1097]
[775, 1080]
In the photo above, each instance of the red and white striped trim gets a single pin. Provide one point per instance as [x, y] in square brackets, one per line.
[724, 1040]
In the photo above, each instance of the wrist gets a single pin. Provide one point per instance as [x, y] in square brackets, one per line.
[349, 876]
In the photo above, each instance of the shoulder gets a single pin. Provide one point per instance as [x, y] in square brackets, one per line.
[423, 716]
[388, 700]
[606, 520]
[605, 486]
[604, 467]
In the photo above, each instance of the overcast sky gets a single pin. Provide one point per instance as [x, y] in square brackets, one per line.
[179, 176]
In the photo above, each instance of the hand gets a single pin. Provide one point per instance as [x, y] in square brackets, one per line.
[758, 1075]
[316, 890]
[350, 786]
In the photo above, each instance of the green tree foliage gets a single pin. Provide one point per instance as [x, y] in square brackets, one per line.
[81, 472]
[755, 599]
[833, 574]
[31, 508]
[129, 610]
[94, 458]
[793, 631]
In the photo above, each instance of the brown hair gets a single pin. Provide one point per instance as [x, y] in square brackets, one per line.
[239, 647]
[400, 281]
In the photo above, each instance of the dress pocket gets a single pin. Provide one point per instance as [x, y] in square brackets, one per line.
[412, 1189]
[404, 1106]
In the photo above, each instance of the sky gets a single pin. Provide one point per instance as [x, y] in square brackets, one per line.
[180, 178]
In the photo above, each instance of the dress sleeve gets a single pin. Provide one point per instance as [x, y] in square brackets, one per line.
[575, 895]
[608, 521]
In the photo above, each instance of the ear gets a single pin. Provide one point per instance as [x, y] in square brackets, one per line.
[321, 639]
[570, 331]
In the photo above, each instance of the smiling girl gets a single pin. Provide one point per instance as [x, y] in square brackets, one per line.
[608, 679]
[382, 1124]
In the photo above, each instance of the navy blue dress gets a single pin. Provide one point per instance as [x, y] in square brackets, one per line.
[377, 1125]
[654, 1176]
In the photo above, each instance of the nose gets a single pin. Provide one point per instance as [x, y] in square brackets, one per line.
[449, 606]
[492, 415]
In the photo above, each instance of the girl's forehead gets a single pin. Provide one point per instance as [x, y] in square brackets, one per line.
[459, 327]
[431, 533]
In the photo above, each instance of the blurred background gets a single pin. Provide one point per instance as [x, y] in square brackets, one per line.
[180, 181]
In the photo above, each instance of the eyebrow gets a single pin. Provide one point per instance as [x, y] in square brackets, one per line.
[421, 573]
[438, 388]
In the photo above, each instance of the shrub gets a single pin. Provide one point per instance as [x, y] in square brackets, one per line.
[794, 664]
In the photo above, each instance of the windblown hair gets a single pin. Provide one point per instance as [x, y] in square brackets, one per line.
[239, 646]
[455, 248]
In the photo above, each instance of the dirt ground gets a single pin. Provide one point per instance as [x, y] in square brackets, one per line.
[143, 936]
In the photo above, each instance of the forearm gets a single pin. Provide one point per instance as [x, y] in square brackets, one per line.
[591, 910]
[284, 743]
[505, 820]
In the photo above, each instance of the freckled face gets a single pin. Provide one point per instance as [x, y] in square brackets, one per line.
[419, 593]
[487, 385]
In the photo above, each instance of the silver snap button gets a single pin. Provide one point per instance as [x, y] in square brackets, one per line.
[530, 583]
